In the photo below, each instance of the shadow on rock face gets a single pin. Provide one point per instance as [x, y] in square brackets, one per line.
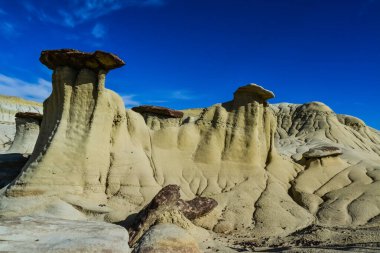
[10, 167]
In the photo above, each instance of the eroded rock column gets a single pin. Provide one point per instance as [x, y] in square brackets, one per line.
[27, 130]
[75, 148]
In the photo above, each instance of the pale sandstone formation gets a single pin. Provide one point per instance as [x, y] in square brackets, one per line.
[99, 161]
[9, 106]
[42, 234]
[27, 130]
[167, 238]
[339, 190]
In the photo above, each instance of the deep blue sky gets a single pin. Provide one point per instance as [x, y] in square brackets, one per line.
[194, 53]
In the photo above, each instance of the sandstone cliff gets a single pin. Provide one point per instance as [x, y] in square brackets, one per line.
[273, 169]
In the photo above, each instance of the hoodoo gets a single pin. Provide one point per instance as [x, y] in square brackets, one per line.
[249, 93]
[80, 116]
[27, 130]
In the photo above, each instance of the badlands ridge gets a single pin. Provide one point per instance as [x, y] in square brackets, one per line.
[239, 175]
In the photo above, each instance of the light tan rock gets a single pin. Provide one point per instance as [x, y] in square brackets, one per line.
[167, 238]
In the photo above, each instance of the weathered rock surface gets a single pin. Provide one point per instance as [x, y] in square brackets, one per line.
[42, 234]
[339, 190]
[168, 205]
[158, 110]
[167, 238]
[78, 60]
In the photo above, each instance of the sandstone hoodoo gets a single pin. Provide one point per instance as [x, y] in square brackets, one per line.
[27, 130]
[158, 110]
[80, 116]
[251, 92]
[9, 106]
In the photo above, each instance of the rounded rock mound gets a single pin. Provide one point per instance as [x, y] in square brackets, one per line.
[315, 106]
[167, 238]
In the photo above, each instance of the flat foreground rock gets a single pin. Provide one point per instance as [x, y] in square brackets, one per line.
[41, 234]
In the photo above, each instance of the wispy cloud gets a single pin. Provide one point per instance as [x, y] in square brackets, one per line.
[129, 100]
[98, 31]
[38, 90]
[2, 12]
[182, 95]
[8, 30]
[75, 12]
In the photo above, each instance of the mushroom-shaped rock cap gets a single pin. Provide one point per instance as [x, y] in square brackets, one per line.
[29, 115]
[163, 111]
[96, 61]
[323, 151]
[251, 92]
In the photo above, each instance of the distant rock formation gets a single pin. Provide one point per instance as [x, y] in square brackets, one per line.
[9, 106]
[27, 130]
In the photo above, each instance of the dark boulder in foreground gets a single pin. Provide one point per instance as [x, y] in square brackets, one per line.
[167, 203]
